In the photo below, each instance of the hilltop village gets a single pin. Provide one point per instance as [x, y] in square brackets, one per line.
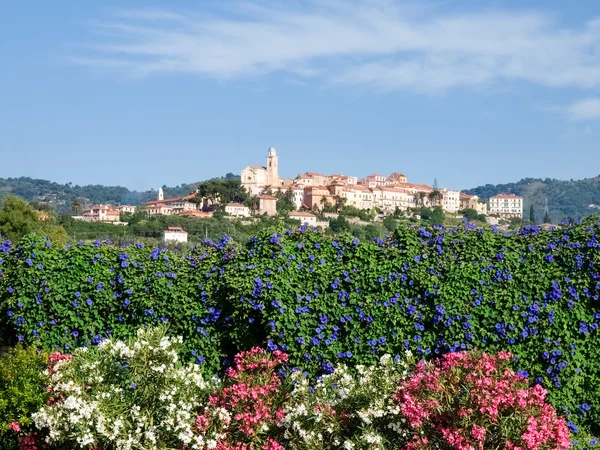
[312, 192]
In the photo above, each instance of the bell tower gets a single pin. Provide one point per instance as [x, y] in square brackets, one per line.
[272, 168]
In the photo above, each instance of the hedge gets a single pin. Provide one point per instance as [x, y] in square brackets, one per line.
[333, 299]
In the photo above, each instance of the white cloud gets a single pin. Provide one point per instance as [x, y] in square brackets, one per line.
[377, 43]
[586, 109]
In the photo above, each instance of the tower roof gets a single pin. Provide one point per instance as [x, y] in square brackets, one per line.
[272, 151]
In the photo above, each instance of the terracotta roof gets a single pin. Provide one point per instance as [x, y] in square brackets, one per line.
[267, 197]
[172, 199]
[177, 229]
[257, 167]
[466, 196]
[238, 205]
[397, 175]
[190, 212]
[300, 214]
[322, 188]
[512, 196]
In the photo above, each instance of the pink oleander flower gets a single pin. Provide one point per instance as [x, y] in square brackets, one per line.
[252, 399]
[480, 390]
[14, 426]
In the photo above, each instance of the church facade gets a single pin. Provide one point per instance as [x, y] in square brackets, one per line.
[256, 178]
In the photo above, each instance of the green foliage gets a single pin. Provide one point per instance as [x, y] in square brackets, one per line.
[471, 214]
[22, 391]
[84, 292]
[321, 298]
[18, 219]
[285, 202]
[223, 191]
[432, 216]
[566, 198]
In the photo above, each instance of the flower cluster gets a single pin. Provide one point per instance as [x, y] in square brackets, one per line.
[246, 411]
[472, 401]
[125, 395]
[348, 411]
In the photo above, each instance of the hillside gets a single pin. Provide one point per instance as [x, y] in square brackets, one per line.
[566, 199]
[62, 196]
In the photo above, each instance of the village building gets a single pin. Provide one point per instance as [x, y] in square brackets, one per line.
[168, 206]
[256, 178]
[317, 197]
[450, 200]
[126, 209]
[473, 202]
[506, 206]
[175, 234]
[267, 204]
[303, 217]
[237, 210]
[101, 213]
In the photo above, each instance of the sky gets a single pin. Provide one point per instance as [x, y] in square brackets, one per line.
[143, 94]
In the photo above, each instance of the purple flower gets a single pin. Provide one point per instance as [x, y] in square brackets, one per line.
[89, 302]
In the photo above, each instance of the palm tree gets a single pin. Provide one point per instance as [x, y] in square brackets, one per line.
[76, 207]
[253, 204]
[324, 203]
[340, 202]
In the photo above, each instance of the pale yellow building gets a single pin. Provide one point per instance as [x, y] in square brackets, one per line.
[267, 204]
[255, 178]
[303, 217]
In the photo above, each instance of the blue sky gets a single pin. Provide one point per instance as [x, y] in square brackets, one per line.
[142, 93]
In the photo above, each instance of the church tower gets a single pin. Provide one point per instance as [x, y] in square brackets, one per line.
[161, 194]
[272, 168]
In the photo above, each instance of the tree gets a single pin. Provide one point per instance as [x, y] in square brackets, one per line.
[285, 202]
[253, 203]
[339, 224]
[547, 218]
[472, 214]
[432, 216]
[18, 219]
[324, 203]
[532, 215]
[390, 223]
[76, 207]
[339, 203]
[222, 191]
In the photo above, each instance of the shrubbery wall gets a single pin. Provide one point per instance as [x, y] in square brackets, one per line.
[322, 299]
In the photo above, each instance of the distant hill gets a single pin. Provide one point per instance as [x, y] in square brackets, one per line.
[566, 199]
[62, 196]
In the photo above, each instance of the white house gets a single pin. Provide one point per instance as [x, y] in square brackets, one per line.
[237, 209]
[175, 234]
[303, 217]
[506, 205]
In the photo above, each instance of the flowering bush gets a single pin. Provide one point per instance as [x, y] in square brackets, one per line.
[246, 411]
[324, 300]
[124, 396]
[468, 401]
[348, 411]
[22, 391]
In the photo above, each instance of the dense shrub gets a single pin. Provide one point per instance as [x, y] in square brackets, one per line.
[137, 395]
[22, 392]
[325, 300]
[474, 401]
[73, 296]
[346, 410]
[125, 396]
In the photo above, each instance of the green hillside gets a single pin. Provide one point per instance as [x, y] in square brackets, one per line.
[566, 199]
[62, 196]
